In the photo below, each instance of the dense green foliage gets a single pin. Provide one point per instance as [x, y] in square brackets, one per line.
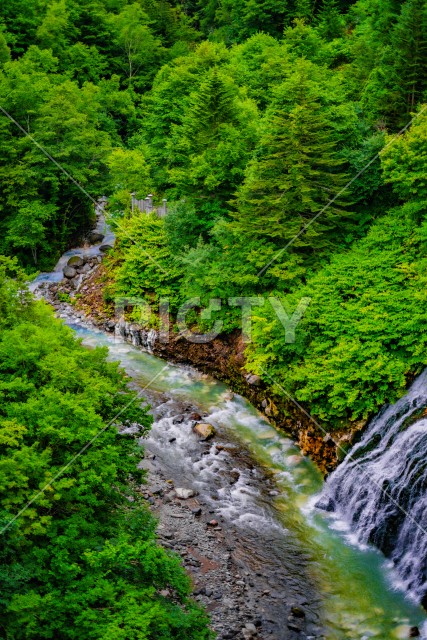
[82, 560]
[253, 135]
[262, 123]
[270, 126]
[363, 334]
[71, 76]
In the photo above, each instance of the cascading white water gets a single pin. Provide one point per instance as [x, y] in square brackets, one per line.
[380, 488]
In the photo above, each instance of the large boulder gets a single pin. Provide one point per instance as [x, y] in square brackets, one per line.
[204, 430]
[69, 272]
[75, 261]
[95, 237]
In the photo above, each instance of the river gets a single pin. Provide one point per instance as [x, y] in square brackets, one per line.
[303, 554]
[295, 543]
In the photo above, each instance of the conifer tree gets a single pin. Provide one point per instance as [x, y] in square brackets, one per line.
[207, 12]
[240, 19]
[330, 22]
[212, 105]
[409, 43]
[296, 171]
[302, 9]
[4, 49]
[209, 150]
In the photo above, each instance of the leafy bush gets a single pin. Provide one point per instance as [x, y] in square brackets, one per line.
[79, 556]
[147, 268]
[363, 334]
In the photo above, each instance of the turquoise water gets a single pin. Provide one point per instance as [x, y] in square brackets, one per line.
[361, 599]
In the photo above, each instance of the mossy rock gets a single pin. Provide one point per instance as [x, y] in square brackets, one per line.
[95, 237]
[75, 261]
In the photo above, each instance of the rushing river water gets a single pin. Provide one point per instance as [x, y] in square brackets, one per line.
[380, 488]
[356, 583]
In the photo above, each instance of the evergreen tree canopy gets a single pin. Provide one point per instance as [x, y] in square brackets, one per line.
[296, 170]
[208, 150]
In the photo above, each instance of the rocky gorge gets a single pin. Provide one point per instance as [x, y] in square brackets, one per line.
[245, 597]
[223, 357]
[220, 501]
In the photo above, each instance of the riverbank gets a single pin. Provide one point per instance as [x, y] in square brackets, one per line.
[222, 358]
[242, 603]
[250, 575]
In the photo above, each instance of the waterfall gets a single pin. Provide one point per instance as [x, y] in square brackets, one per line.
[380, 489]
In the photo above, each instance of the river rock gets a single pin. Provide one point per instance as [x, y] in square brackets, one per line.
[235, 475]
[297, 611]
[295, 624]
[84, 268]
[249, 631]
[204, 430]
[326, 504]
[69, 272]
[104, 248]
[184, 494]
[414, 632]
[95, 237]
[75, 261]
[254, 380]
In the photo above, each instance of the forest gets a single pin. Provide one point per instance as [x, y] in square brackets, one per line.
[289, 138]
[250, 118]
